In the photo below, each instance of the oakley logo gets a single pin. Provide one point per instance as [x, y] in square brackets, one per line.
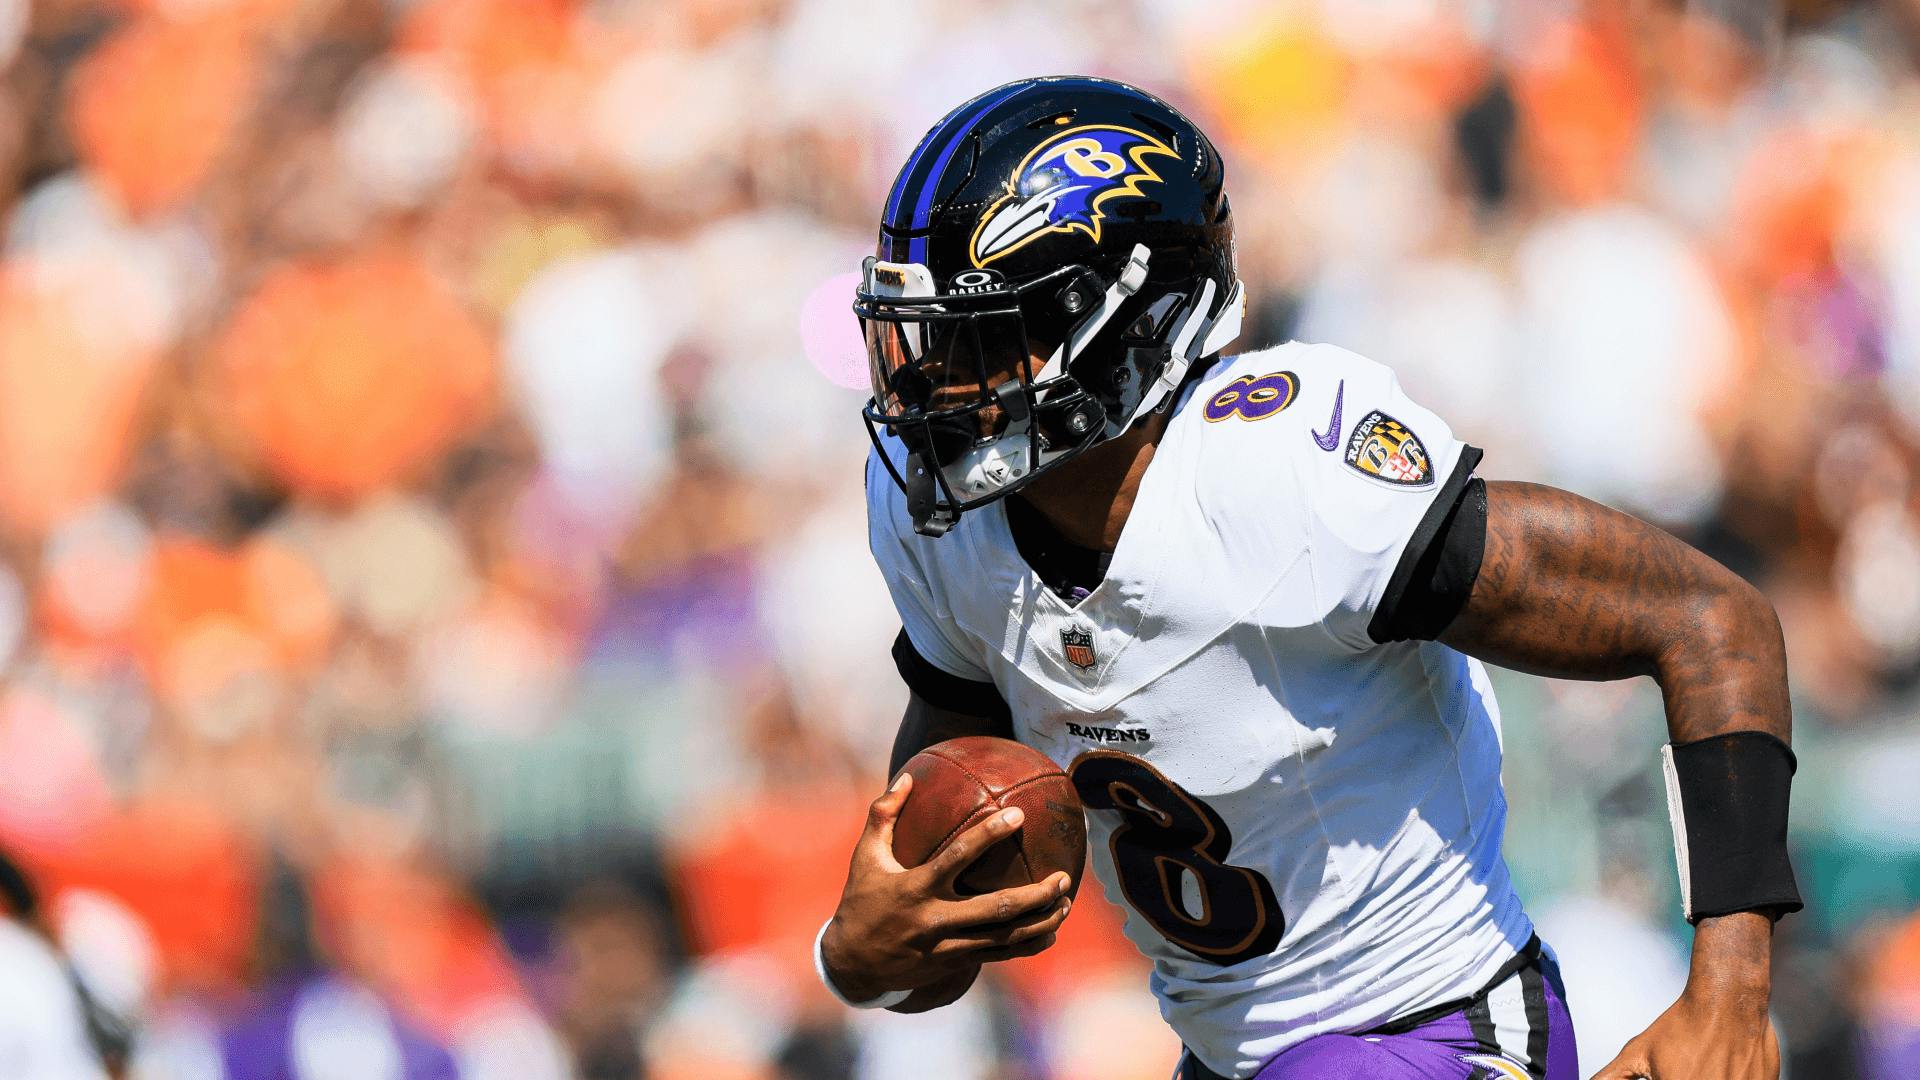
[968, 282]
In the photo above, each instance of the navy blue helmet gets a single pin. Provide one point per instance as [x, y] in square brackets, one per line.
[1055, 260]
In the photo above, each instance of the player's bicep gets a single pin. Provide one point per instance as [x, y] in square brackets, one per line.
[1569, 588]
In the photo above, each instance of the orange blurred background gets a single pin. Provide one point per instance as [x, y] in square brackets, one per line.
[438, 636]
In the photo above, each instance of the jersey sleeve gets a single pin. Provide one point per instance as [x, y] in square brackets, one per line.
[1377, 498]
[926, 621]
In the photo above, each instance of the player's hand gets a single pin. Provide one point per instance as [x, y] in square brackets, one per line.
[1704, 1034]
[900, 929]
[1719, 1026]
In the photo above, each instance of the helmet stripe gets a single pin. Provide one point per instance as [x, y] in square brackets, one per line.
[906, 171]
[930, 184]
[940, 133]
[930, 180]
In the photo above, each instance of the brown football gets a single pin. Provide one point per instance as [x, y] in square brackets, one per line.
[961, 782]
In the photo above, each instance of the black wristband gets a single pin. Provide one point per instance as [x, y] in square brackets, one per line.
[1727, 795]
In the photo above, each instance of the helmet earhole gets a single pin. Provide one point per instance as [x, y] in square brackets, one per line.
[1079, 293]
[1157, 318]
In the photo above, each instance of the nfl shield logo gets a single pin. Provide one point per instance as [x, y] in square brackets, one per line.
[1077, 643]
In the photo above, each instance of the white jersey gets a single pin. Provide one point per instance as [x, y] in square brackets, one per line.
[43, 1033]
[1303, 826]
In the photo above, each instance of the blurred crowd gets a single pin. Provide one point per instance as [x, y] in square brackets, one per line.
[436, 627]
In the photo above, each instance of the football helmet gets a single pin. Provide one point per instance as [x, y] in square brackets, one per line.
[1055, 260]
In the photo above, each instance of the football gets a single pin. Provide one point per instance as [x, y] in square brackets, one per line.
[960, 783]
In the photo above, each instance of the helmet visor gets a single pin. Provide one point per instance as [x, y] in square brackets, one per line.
[931, 352]
[931, 362]
[941, 364]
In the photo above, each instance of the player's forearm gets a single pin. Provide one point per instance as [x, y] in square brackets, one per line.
[1571, 589]
[1724, 668]
[1732, 965]
[1727, 673]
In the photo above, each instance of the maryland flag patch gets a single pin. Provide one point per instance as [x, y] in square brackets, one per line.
[1384, 448]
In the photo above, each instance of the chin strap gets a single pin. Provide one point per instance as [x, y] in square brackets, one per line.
[1178, 357]
[1226, 327]
[932, 516]
[1212, 334]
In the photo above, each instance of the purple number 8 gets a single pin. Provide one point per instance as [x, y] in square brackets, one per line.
[1254, 397]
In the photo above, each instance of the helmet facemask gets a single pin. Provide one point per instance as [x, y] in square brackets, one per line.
[990, 384]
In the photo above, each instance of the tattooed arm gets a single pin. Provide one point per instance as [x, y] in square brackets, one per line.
[1573, 590]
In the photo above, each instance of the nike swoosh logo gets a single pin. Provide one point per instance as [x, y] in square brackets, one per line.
[1327, 441]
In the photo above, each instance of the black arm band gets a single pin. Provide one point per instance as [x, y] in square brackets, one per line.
[1435, 575]
[1727, 795]
[944, 690]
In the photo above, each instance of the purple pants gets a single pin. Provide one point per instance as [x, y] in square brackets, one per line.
[1516, 1029]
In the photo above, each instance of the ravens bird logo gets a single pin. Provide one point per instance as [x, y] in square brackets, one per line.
[1064, 184]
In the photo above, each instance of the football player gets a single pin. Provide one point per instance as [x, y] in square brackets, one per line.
[1244, 602]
